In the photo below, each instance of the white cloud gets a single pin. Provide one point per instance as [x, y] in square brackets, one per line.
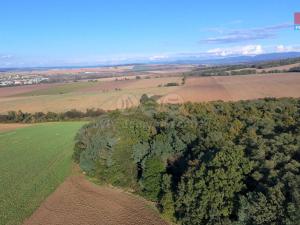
[238, 50]
[158, 57]
[243, 35]
[287, 48]
[6, 56]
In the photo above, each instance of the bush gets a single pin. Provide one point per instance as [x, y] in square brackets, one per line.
[172, 84]
[20, 117]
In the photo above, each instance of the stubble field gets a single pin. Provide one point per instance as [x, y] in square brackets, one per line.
[110, 94]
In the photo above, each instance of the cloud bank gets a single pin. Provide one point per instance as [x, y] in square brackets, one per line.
[242, 35]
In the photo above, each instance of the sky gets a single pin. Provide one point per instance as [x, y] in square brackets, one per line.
[87, 32]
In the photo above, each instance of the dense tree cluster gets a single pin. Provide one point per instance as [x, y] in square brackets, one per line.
[25, 117]
[295, 69]
[246, 68]
[206, 163]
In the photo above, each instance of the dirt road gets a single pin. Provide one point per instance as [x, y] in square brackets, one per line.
[80, 202]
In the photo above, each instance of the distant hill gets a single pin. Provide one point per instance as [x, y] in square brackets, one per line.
[181, 60]
[238, 59]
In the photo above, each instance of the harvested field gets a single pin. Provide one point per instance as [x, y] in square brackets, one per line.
[18, 90]
[59, 89]
[285, 67]
[78, 201]
[108, 86]
[108, 94]
[153, 82]
[234, 88]
[104, 95]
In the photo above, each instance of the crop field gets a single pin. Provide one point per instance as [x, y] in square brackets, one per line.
[78, 202]
[59, 89]
[34, 160]
[245, 87]
[103, 94]
[110, 94]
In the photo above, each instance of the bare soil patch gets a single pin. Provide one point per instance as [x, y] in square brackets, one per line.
[78, 201]
[153, 82]
[4, 127]
[109, 95]
[108, 86]
[234, 88]
[285, 67]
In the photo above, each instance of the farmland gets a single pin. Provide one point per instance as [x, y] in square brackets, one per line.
[109, 94]
[78, 201]
[33, 161]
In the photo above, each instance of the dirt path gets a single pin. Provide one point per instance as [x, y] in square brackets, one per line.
[4, 127]
[80, 202]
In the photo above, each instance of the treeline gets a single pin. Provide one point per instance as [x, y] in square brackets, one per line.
[209, 163]
[246, 69]
[223, 71]
[276, 63]
[25, 117]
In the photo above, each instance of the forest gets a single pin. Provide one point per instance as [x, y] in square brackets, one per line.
[246, 68]
[202, 163]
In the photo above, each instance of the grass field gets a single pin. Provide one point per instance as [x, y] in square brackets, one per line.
[33, 162]
[60, 89]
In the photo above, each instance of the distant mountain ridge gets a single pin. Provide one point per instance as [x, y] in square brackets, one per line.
[214, 60]
[238, 59]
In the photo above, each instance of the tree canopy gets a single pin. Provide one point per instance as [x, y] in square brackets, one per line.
[202, 163]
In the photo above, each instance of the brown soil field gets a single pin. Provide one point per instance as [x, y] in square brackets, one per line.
[80, 202]
[285, 67]
[101, 95]
[10, 91]
[234, 88]
[153, 82]
[4, 127]
[108, 86]
[197, 89]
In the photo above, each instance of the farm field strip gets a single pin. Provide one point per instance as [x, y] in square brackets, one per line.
[33, 162]
[234, 88]
[77, 100]
[58, 89]
[104, 94]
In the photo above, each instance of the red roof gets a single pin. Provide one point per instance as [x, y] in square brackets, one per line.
[297, 18]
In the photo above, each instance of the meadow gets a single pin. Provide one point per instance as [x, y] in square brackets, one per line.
[34, 160]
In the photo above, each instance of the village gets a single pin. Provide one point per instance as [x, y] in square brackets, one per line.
[18, 80]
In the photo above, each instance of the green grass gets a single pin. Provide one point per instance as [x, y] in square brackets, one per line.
[60, 89]
[33, 162]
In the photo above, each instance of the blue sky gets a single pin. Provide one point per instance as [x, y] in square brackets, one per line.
[69, 32]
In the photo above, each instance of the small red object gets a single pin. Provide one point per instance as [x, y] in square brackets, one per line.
[297, 18]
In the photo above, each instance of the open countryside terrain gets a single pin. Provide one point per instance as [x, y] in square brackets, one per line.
[245, 87]
[109, 94]
[33, 162]
[78, 201]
